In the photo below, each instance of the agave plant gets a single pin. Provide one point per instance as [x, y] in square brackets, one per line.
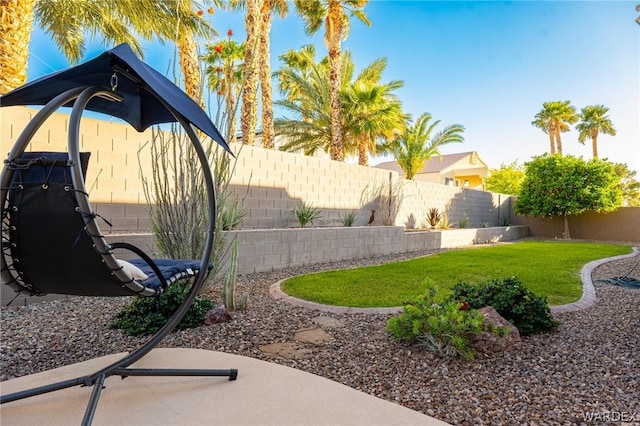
[434, 217]
[306, 213]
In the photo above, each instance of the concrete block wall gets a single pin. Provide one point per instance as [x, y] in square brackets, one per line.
[621, 225]
[117, 151]
[270, 183]
[266, 250]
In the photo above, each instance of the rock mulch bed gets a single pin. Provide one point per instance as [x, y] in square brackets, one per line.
[589, 366]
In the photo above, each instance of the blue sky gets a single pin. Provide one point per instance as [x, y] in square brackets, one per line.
[487, 65]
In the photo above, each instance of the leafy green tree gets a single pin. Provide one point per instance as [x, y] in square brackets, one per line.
[334, 16]
[593, 121]
[564, 186]
[506, 180]
[629, 185]
[555, 118]
[418, 143]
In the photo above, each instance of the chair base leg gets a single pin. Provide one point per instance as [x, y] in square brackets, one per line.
[125, 372]
[98, 383]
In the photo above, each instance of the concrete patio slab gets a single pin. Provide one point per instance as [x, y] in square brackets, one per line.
[264, 394]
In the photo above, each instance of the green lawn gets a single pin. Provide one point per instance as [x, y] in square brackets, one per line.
[547, 268]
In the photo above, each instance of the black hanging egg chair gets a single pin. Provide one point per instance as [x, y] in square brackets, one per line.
[51, 239]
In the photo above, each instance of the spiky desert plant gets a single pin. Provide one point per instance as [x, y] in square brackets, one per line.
[230, 281]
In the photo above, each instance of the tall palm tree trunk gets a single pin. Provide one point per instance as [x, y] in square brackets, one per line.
[558, 142]
[250, 78]
[16, 25]
[363, 157]
[231, 106]
[594, 142]
[190, 67]
[265, 75]
[552, 143]
[333, 40]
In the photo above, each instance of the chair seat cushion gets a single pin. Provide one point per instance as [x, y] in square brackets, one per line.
[172, 270]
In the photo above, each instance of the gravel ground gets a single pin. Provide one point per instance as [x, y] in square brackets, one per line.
[590, 364]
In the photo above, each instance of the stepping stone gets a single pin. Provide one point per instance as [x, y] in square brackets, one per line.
[324, 321]
[286, 350]
[312, 335]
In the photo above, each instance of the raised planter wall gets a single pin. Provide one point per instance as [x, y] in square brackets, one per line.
[263, 250]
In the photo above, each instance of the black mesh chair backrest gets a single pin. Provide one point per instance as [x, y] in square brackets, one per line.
[51, 250]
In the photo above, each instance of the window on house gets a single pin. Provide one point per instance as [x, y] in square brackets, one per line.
[466, 183]
[448, 181]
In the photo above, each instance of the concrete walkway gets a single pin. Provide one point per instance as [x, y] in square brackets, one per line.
[264, 394]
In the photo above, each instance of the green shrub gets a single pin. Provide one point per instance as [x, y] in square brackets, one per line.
[349, 218]
[146, 315]
[462, 223]
[442, 328]
[511, 299]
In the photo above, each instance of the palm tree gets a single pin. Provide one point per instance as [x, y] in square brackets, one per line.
[67, 22]
[306, 96]
[593, 121]
[296, 62]
[417, 145]
[333, 14]
[554, 118]
[264, 65]
[248, 118]
[16, 25]
[372, 111]
[224, 74]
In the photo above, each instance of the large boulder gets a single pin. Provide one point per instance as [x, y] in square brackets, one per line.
[217, 315]
[490, 342]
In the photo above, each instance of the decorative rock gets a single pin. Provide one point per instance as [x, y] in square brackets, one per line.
[312, 335]
[217, 315]
[324, 321]
[286, 350]
[488, 342]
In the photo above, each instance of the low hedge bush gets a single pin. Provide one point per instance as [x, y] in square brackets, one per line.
[146, 315]
[528, 312]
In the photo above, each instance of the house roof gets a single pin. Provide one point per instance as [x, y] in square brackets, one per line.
[437, 163]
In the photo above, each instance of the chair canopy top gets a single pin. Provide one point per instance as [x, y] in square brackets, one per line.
[145, 92]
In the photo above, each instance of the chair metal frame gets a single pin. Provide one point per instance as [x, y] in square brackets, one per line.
[80, 97]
